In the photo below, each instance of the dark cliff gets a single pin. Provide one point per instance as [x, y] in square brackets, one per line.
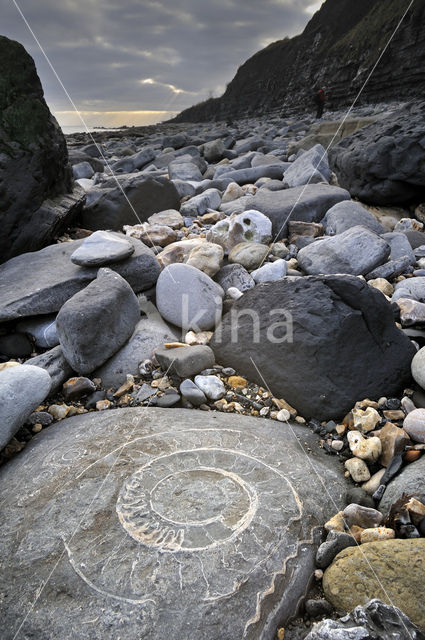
[337, 50]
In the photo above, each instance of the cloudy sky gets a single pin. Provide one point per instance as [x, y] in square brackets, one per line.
[141, 61]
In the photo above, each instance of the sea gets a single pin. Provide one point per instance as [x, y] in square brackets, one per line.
[81, 129]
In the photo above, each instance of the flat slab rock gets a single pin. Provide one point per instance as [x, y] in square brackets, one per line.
[147, 520]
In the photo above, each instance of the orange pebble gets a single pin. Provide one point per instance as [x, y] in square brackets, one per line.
[412, 455]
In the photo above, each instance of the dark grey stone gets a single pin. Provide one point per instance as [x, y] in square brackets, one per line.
[227, 547]
[306, 204]
[97, 321]
[389, 270]
[383, 163]
[411, 480]
[15, 345]
[146, 196]
[150, 332]
[41, 282]
[192, 393]
[335, 542]
[413, 288]
[185, 361]
[101, 248]
[22, 389]
[348, 214]
[41, 329]
[166, 401]
[54, 362]
[252, 174]
[134, 162]
[333, 336]
[400, 246]
[33, 156]
[234, 275]
[373, 621]
[311, 167]
[355, 251]
[82, 170]
[178, 170]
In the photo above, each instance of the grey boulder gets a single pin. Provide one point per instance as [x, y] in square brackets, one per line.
[185, 361]
[133, 202]
[214, 518]
[348, 214]
[54, 362]
[411, 481]
[22, 389]
[101, 248]
[305, 204]
[150, 333]
[54, 278]
[188, 298]
[234, 275]
[311, 167]
[97, 321]
[356, 251]
[321, 343]
[400, 246]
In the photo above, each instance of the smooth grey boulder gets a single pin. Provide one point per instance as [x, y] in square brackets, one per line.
[200, 204]
[252, 174]
[355, 251]
[270, 271]
[22, 389]
[213, 151]
[150, 333]
[368, 622]
[413, 288]
[311, 167]
[305, 204]
[215, 517]
[188, 298]
[97, 321]
[411, 481]
[101, 248]
[54, 278]
[185, 361]
[56, 365]
[136, 200]
[192, 393]
[33, 157]
[234, 275]
[383, 163]
[348, 214]
[332, 335]
[188, 171]
[400, 246]
[82, 170]
[134, 162]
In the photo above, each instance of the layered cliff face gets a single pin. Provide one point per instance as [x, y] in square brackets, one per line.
[33, 154]
[337, 50]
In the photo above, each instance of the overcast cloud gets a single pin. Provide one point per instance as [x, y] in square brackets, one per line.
[145, 55]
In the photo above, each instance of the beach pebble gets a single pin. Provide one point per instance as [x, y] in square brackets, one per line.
[414, 425]
[358, 469]
[211, 386]
[356, 514]
[367, 449]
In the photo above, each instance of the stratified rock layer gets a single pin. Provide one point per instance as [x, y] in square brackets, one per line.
[33, 156]
[159, 519]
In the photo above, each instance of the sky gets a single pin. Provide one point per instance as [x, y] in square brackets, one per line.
[143, 61]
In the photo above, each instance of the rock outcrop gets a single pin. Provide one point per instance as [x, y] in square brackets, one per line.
[338, 48]
[33, 159]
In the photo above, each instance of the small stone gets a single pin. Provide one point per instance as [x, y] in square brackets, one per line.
[337, 445]
[280, 403]
[212, 386]
[367, 420]
[393, 440]
[228, 371]
[300, 420]
[279, 249]
[151, 234]
[58, 411]
[270, 271]
[372, 485]
[37, 428]
[203, 337]
[167, 400]
[359, 496]
[234, 293]
[382, 285]
[318, 574]
[414, 425]
[336, 523]
[249, 254]
[9, 365]
[365, 517]
[192, 393]
[317, 608]
[237, 382]
[335, 542]
[416, 508]
[170, 218]
[102, 405]
[376, 533]
[341, 429]
[77, 387]
[412, 455]
[367, 449]
[185, 361]
[283, 415]
[124, 389]
[358, 469]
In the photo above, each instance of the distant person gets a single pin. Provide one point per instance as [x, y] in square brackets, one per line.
[320, 99]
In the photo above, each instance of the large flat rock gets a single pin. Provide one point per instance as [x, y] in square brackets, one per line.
[149, 522]
[41, 282]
